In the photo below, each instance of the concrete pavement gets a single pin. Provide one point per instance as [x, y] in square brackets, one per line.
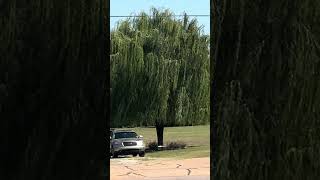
[160, 169]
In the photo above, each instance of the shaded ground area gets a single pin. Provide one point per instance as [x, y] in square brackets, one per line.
[160, 168]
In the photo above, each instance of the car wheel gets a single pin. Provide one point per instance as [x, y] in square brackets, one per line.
[134, 155]
[141, 154]
[115, 155]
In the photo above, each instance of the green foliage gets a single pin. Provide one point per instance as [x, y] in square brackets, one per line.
[159, 71]
[267, 66]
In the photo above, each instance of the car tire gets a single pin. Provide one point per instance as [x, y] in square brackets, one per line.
[134, 155]
[141, 154]
[115, 155]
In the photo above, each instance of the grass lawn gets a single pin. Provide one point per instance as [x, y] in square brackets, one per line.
[197, 139]
[189, 152]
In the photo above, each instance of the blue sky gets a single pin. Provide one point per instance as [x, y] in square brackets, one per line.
[131, 7]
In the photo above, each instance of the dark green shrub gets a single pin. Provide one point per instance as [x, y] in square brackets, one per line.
[152, 146]
[176, 145]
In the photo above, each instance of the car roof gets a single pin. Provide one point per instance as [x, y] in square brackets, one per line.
[121, 130]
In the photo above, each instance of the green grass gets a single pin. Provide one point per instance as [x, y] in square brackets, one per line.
[197, 139]
[189, 152]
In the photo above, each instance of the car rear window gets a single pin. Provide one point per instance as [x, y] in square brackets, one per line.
[120, 135]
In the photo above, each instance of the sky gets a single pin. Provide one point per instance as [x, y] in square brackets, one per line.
[133, 7]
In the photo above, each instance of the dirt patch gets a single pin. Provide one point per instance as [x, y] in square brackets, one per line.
[155, 168]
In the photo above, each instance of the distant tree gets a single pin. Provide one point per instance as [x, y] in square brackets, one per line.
[159, 72]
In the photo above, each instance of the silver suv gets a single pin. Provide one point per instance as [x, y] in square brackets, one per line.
[126, 142]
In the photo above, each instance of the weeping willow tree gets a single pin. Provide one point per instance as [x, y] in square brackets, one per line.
[159, 72]
[267, 89]
[52, 89]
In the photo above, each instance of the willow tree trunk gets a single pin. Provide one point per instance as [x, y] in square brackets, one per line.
[160, 129]
[53, 90]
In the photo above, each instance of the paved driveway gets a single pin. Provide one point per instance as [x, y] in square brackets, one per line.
[159, 169]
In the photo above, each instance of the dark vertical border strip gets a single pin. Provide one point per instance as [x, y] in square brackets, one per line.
[106, 54]
[211, 92]
[215, 30]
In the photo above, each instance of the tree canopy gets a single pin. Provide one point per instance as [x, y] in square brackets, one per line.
[159, 71]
